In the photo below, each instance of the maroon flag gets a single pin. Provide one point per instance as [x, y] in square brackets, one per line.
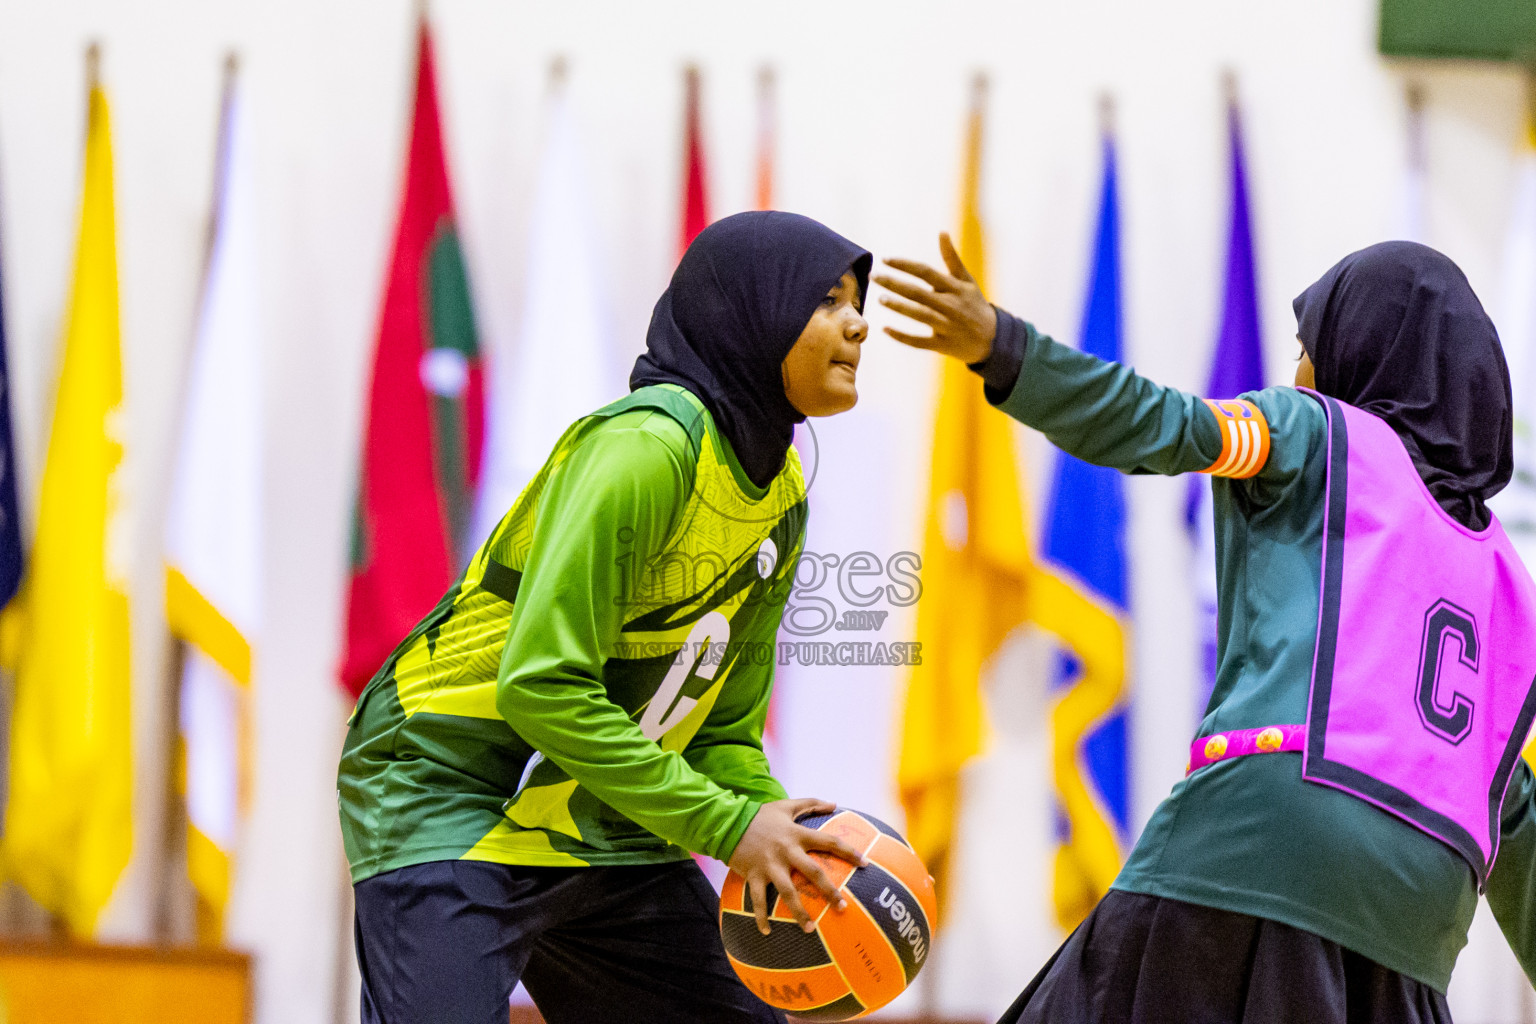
[426, 411]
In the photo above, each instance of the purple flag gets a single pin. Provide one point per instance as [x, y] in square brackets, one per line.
[1238, 366]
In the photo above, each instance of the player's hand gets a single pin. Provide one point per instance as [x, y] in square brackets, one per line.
[774, 846]
[964, 324]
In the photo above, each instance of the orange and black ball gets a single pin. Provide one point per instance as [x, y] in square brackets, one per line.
[858, 959]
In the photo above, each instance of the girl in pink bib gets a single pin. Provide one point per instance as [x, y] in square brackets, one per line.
[1357, 781]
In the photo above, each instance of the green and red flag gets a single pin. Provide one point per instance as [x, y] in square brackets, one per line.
[426, 411]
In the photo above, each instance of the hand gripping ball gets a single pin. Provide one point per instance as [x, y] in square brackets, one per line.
[857, 959]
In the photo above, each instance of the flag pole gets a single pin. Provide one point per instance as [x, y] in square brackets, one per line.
[1415, 100]
[170, 856]
[981, 84]
[221, 157]
[972, 235]
[1414, 97]
[1414, 218]
[691, 76]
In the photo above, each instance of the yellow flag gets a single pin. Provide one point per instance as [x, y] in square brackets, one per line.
[68, 822]
[976, 573]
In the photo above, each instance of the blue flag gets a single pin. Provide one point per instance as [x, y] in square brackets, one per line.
[1085, 544]
[1237, 366]
[10, 513]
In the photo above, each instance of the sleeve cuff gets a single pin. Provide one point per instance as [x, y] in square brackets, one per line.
[1000, 370]
[723, 850]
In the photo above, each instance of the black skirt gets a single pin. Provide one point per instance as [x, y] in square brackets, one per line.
[1147, 960]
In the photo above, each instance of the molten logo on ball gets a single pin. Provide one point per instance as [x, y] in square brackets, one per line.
[858, 959]
[910, 929]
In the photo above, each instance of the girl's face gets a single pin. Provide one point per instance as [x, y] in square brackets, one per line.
[1306, 377]
[819, 371]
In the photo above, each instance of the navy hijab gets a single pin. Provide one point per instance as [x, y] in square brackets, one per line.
[738, 301]
[1396, 330]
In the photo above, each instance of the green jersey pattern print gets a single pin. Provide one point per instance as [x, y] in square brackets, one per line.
[593, 689]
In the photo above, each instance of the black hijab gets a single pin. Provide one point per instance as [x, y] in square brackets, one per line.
[738, 301]
[1396, 330]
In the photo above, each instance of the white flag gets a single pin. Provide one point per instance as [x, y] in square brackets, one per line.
[562, 369]
[213, 530]
[1515, 318]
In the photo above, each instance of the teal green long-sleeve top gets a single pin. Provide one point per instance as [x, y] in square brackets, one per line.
[1250, 835]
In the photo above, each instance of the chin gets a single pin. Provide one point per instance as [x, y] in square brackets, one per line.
[837, 399]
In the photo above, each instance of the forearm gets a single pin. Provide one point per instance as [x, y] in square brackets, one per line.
[729, 745]
[1101, 412]
[575, 726]
[738, 767]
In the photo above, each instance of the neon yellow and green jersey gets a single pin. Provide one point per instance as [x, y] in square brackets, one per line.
[593, 690]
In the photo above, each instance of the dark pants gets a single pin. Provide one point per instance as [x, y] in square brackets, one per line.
[1142, 959]
[446, 942]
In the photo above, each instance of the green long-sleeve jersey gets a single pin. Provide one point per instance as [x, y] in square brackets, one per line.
[593, 689]
[1249, 834]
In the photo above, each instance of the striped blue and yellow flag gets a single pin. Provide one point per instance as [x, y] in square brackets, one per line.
[1084, 545]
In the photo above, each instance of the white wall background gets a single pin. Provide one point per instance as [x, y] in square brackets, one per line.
[871, 105]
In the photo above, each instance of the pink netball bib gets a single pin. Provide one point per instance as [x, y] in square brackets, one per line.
[1424, 681]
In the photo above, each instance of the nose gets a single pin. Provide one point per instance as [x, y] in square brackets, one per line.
[856, 329]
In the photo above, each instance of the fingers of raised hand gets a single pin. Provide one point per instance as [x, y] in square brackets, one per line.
[940, 281]
[952, 259]
[915, 341]
[909, 289]
[920, 313]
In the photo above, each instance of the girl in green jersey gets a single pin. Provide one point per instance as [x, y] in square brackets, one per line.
[526, 776]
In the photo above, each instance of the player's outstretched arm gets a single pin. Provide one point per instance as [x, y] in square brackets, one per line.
[773, 846]
[1102, 412]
